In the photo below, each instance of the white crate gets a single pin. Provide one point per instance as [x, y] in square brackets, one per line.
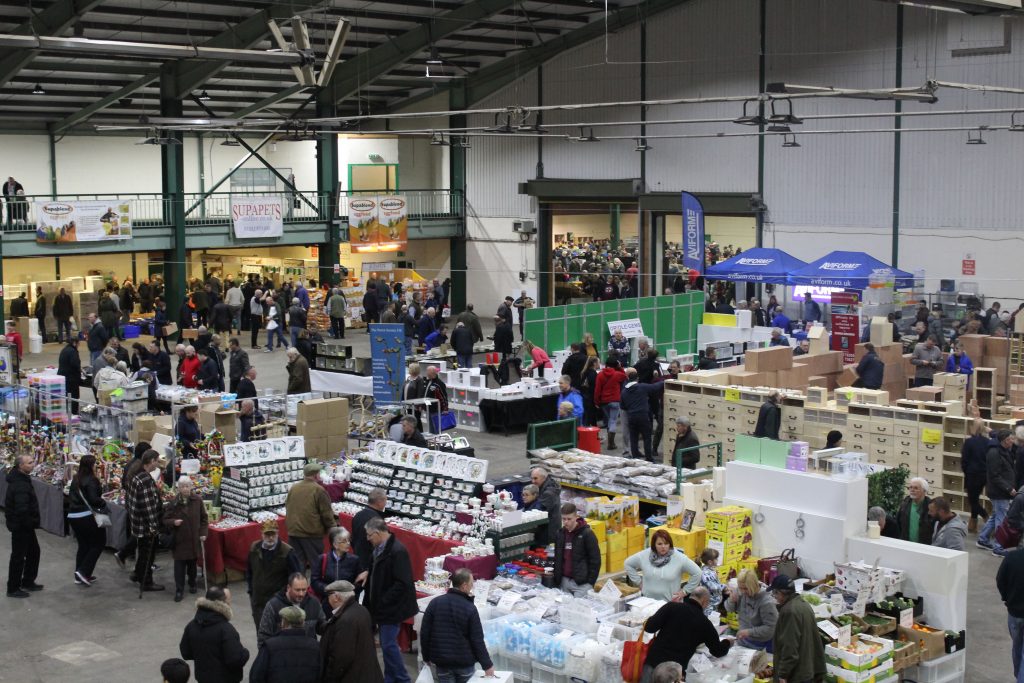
[946, 669]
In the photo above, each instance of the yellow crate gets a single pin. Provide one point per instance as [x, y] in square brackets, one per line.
[614, 561]
[599, 528]
[617, 542]
[749, 563]
[732, 537]
[737, 553]
[725, 572]
[728, 517]
[635, 533]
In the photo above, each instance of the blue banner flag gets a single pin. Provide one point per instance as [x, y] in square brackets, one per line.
[387, 349]
[693, 233]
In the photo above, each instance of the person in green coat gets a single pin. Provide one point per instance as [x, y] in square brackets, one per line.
[799, 654]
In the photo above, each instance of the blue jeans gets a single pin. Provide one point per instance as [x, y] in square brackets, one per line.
[1016, 625]
[611, 415]
[63, 330]
[999, 508]
[93, 355]
[408, 346]
[465, 361]
[457, 675]
[295, 334]
[394, 666]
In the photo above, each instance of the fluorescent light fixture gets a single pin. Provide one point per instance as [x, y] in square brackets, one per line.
[38, 90]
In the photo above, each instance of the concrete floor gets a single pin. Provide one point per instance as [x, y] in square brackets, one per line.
[104, 633]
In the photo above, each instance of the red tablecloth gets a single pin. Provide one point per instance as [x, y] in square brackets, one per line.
[229, 548]
[482, 567]
[336, 490]
[419, 547]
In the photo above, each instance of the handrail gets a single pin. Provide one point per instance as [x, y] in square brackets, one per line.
[678, 461]
[153, 209]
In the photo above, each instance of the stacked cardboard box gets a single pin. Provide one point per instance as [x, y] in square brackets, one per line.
[997, 355]
[324, 424]
[213, 415]
[730, 531]
[823, 368]
[1016, 389]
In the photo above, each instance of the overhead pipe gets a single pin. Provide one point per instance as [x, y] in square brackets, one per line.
[153, 50]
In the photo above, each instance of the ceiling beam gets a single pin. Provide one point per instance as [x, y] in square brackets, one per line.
[491, 78]
[369, 65]
[51, 21]
[99, 105]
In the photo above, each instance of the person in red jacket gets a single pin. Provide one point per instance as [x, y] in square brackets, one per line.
[189, 368]
[607, 391]
[14, 337]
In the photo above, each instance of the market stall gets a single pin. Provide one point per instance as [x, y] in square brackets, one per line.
[51, 503]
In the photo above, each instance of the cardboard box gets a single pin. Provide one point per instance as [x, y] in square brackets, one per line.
[924, 394]
[897, 390]
[974, 345]
[316, 447]
[163, 425]
[336, 444]
[818, 338]
[881, 330]
[314, 428]
[768, 360]
[996, 346]
[144, 429]
[817, 381]
[824, 363]
[103, 396]
[848, 376]
[690, 542]
[190, 333]
[796, 376]
[25, 330]
[170, 328]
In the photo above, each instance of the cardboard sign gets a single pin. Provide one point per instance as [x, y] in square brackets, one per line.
[931, 436]
[604, 633]
[829, 629]
[508, 600]
[732, 395]
[907, 617]
[837, 605]
[631, 329]
[845, 633]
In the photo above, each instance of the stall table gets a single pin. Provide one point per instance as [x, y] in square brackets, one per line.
[419, 547]
[482, 567]
[117, 532]
[517, 413]
[51, 503]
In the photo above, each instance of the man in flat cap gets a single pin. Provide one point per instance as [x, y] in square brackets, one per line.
[292, 655]
[347, 652]
[271, 562]
[309, 516]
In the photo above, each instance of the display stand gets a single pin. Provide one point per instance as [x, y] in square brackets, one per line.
[831, 511]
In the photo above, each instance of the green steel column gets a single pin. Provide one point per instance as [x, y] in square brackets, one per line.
[327, 189]
[172, 165]
[457, 175]
[897, 143]
[761, 80]
[616, 215]
[53, 167]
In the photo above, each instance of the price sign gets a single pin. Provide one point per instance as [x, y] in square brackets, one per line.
[508, 600]
[931, 436]
[907, 617]
[604, 633]
[829, 629]
[845, 633]
[609, 593]
[481, 590]
[732, 395]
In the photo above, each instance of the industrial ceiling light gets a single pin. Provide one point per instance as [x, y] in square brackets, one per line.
[230, 142]
[778, 128]
[789, 140]
[461, 143]
[531, 128]
[437, 139]
[502, 128]
[586, 135]
[435, 56]
[1015, 125]
[158, 138]
[204, 96]
[642, 146]
[38, 90]
[787, 117]
[746, 119]
[975, 139]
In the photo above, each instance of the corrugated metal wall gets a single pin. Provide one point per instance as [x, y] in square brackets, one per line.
[701, 49]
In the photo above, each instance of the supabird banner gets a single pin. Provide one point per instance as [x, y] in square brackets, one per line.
[83, 221]
[257, 216]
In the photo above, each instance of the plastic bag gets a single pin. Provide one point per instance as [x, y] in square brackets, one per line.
[426, 675]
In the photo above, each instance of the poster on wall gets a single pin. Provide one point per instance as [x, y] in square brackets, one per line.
[387, 351]
[845, 324]
[693, 233]
[91, 221]
[379, 223]
[6, 366]
[254, 217]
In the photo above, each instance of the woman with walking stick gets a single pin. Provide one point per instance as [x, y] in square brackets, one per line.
[186, 518]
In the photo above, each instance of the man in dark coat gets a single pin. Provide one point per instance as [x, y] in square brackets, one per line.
[145, 510]
[291, 656]
[238, 363]
[573, 366]
[295, 594]
[208, 375]
[635, 402]
[371, 313]
[69, 366]
[220, 318]
[577, 555]
[212, 642]
[271, 562]
[871, 370]
[682, 627]
[1000, 485]
[40, 312]
[19, 307]
[62, 312]
[390, 595]
[376, 501]
[472, 321]
[383, 291]
[451, 637]
[426, 326]
[912, 517]
[769, 417]
[22, 512]
[550, 493]
[462, 342]
[161, 363]
[686, 438]
[347, 651]
[98, 337]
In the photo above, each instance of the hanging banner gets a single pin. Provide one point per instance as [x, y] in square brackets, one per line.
[845, 324]
[387, 351]
[693, 233]
[379, 223]
[254, 217]
[92, 221]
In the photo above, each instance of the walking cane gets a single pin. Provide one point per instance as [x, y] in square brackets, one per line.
[206, 580]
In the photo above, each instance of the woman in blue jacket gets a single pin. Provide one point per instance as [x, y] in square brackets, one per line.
[338, 564]
[958, 363]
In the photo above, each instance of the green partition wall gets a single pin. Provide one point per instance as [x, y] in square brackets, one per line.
[670, 320]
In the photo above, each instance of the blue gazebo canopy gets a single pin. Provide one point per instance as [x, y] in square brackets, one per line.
[849, 270]
[758, 264]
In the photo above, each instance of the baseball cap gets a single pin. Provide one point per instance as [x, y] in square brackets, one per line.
[269, 525]
[782, 583]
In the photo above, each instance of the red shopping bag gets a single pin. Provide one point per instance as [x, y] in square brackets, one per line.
[634, 654]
